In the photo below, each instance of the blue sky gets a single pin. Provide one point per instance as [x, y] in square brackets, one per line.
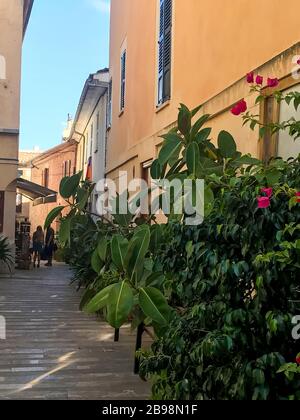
[66, 40]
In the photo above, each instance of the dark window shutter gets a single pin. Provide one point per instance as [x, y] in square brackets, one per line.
[123, 80]
[165, 51]
[109, 105]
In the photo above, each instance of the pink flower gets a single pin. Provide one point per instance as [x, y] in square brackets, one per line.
[298, 62]
[273, 82]
[267, 191]
[250, 77]
[298, 197]
[239, 108]
[259, 80]
[263, 202]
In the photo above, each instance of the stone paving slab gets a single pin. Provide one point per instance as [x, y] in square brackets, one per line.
[53, 351]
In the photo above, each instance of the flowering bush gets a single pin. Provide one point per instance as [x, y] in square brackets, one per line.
[256, 83]
[236, 280]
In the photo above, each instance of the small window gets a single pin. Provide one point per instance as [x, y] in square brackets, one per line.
[67, 168]
[123, 80]
[164, 51]
[46, 178]
[109, 106]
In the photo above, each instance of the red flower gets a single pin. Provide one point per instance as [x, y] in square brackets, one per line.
[273, 82]
[263, 202]
[298, 197]
[259, 80]
[267, 191]
[298, 360]
[250, 77]
[298, 62]
[239, 108]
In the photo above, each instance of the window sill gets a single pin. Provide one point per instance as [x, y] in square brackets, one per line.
[162, 106]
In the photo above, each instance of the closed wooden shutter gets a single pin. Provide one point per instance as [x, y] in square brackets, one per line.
[2, 195]
[123, 80]
[109, 105]
[165, 51]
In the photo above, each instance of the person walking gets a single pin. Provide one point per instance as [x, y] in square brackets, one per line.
[49, 249]
[37, 246]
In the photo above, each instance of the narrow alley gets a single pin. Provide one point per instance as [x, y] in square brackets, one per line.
[54, 351]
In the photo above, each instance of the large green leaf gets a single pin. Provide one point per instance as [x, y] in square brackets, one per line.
[82, 197]
[203, 135]
[99, 301]
[68, 186]
[154, 305]
[193, 158]
[119, 246]
[53, 215]
[65, 230]
[102, 248]
[170, 150]
[96, 262]
[138, 247]
[120, 304]
[156, 170]
[227, 145]
[195, 111]
[184, 120]
[198, 125]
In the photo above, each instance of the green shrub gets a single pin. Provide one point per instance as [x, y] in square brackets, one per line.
[235, 281]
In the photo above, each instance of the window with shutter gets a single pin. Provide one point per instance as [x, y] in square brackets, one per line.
[46, 177]
[165, 51]
[123, 80]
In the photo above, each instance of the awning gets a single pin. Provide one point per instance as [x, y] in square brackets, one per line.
[36, 193]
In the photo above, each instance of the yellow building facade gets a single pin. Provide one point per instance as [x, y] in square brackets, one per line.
[167, 52]
[14, 16]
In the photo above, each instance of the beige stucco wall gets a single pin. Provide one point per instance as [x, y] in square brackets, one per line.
[11, 33]
[215, 43]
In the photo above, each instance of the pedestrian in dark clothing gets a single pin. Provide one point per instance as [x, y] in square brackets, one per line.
[49, 249]
[37, 245]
